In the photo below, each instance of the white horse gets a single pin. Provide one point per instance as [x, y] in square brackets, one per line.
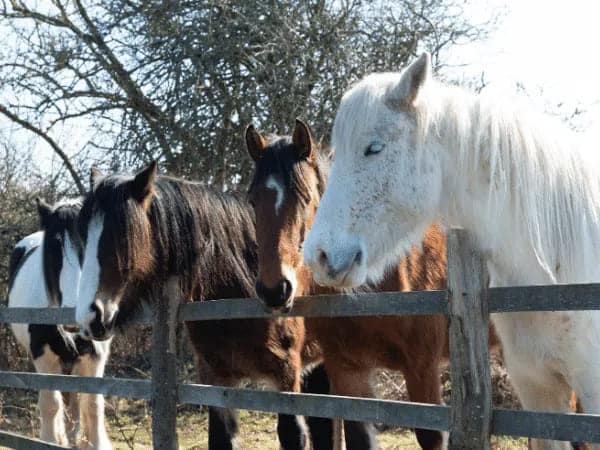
[410, 151]
[44, 271]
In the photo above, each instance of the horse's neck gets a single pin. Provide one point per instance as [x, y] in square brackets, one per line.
[517, 218]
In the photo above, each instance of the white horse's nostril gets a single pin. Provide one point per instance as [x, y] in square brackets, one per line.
[322, 257]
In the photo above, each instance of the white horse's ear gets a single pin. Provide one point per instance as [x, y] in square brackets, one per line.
[406, 92]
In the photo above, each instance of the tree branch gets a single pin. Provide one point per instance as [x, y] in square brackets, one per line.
[55, 147]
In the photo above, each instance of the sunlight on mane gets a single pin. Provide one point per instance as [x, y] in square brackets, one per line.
[532, 164]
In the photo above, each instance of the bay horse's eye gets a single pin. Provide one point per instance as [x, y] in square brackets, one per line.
[374, 148]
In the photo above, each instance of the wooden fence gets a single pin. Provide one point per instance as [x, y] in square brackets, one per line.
[468, 302]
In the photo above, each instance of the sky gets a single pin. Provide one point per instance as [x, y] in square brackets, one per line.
[551, 47]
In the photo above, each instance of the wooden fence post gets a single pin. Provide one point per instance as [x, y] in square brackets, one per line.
[164, 367]
[471, 413]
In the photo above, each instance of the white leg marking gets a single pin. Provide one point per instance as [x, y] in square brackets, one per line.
[90, 272]
[52, 413]
[273, 184]
[94, 432]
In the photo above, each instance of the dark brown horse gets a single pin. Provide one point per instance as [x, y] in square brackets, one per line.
[288, 182]
[140, 231]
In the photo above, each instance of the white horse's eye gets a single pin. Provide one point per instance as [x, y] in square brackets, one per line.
[373, 148]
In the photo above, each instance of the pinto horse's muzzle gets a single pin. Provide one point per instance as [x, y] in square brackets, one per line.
[99, 324]
[278, 298]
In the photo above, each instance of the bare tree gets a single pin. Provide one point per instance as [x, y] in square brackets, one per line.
[178, 80]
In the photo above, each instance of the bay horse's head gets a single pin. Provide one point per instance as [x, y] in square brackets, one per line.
[62, 250]
[285, 192]
[116, 230]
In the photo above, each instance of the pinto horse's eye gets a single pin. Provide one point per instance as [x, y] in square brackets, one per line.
[374, 148]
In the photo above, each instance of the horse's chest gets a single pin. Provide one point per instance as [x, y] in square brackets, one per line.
[540, 338]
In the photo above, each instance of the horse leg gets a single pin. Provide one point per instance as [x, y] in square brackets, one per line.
[586, 384]
[50, 403]
[543, 391]
[223, 428]
[423, 386]
[71, 399]
[353, 382]
[95, 436]
[291, 430]
[316, 381]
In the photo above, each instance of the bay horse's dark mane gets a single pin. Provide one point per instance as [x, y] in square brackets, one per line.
[281, 158]
[203, 236]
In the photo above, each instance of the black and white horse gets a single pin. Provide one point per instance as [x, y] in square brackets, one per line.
[44, 271]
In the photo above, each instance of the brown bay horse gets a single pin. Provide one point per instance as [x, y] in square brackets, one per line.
[289, 178]
[142, 230]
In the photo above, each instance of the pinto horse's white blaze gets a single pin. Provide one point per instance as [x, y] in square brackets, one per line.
[90, 278]
[521, 183]
[70, 273]
[275, 185]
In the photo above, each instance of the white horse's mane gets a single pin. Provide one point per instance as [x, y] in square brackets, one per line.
[532, 163]
[542, 172]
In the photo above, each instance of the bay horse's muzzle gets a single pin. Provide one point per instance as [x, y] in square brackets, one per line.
[278, 298]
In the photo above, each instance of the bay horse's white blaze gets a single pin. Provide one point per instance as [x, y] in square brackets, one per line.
[410, 150]
[90, 279]
[275, 185]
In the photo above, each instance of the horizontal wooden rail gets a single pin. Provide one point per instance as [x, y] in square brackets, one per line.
[545, 425]
[405, 414]
[388, 303]
[572, 297]
[566, 427]
[568, 297]
[120, 387]
[19, 442]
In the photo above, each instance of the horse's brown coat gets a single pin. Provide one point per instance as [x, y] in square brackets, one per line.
[352, 347]
[166, 227]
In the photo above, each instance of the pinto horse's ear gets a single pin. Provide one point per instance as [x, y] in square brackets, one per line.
[302, 139]
[95, 175]
[255, 142]
[44, 209]
[406, 92]
[142, 186]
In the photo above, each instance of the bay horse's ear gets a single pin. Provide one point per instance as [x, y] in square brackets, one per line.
[44, 209]
[95, 175]
[255, 142]
[302, 139]
[406, 92]
[142, 186]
